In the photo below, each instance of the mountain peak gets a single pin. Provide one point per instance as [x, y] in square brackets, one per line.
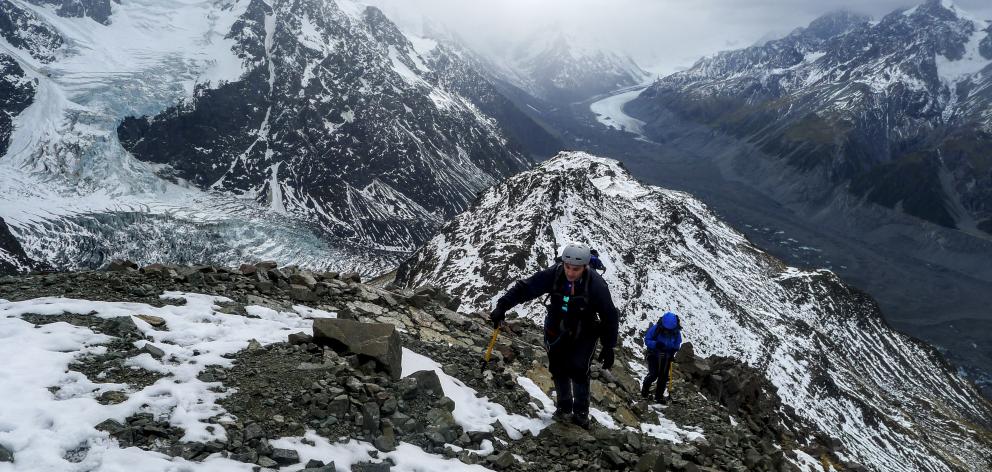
[942, 10]
[834, 24]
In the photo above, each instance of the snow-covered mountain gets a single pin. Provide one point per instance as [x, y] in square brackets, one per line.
[561, 67]
[339, 120]
[310, 131]
[858, 107]
[891, 400]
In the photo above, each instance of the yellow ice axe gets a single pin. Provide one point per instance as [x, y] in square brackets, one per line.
[489, 350]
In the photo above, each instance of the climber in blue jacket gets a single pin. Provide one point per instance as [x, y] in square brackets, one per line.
[662, 341]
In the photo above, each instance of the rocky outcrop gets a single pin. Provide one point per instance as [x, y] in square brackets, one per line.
[378, 341]
[12, 257]
[98, 10]
[26, 31]
[16, 94]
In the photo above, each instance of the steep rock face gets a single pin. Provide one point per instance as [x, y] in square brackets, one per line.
[337, 121]
[892, 401]
[859, 106]
[23, 29]
[16, 94]
[12, 257]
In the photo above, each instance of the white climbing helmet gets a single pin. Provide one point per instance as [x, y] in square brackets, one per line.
[576, 254]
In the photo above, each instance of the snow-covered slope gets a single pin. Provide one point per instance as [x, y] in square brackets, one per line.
[855, 106]
[893, 402]
[464, 71]
[310, 132]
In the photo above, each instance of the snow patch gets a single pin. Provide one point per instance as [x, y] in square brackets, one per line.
[953, 71]
[39, 427]
[667, 430]
[404, 71]
[408, 458]
[276, 203]
[472, 412]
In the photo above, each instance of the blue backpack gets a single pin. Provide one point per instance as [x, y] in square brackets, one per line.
[660, 338]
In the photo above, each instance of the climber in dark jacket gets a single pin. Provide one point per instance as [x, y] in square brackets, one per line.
[662, 341]
[580, 312]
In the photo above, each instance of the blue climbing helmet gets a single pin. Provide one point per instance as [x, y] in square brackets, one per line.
[669, 320]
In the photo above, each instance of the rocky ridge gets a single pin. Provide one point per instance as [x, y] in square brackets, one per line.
[722, 415]
[824, 345]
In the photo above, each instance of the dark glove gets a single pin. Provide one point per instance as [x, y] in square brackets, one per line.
[606, 357]
[497, 316]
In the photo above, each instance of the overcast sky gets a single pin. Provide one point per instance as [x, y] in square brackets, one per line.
[661, 35]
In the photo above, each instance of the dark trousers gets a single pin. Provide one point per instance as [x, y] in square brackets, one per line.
[569, 361]
[659, 367]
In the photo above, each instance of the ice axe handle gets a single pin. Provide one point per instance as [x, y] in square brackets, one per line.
[489, 350]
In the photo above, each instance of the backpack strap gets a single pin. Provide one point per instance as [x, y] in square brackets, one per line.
[559, 274]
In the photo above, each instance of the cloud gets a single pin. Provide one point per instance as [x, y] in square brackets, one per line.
[662, 35]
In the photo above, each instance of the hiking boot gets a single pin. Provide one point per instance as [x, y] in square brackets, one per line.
[661, 400]
[561, 415]
[646, 392]
[581, 420]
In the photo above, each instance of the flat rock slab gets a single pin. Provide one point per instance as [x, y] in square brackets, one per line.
[568, 433]
[155, 321]
[380, 341]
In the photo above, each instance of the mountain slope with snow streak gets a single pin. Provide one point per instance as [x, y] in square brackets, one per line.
[852, 107]
[891, 400]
